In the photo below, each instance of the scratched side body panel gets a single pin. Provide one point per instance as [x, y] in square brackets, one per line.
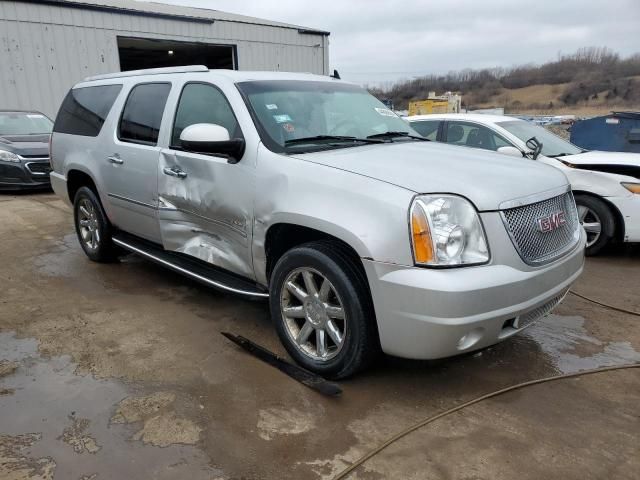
[369, 215]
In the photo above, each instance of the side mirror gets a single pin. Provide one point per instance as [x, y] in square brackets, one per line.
[212, 139]
[511, 151]
[536, 147]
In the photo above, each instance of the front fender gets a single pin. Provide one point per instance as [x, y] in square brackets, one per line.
[599, 183]
[369, 215]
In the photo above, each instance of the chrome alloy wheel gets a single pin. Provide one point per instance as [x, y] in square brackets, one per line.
[591, 223]
[313, 314]
[88, 224]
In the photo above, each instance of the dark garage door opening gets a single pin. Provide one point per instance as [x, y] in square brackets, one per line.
[138, 53]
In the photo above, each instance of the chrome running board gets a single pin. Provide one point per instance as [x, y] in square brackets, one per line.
[190, 267]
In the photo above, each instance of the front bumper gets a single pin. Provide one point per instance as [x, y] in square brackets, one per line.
[435, 313]
[629, 208]
[25, 175]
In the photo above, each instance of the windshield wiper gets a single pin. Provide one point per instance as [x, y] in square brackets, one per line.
[390, 135]
[320, 138]
[559, 155]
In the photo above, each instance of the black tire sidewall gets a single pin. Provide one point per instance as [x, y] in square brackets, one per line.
[606, 218]
[105, 251]
[351, 358]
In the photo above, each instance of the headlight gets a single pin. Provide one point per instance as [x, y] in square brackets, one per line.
[632, 187]
[9, 157]
[446, 231]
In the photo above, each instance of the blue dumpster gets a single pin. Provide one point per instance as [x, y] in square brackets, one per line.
[617, 132]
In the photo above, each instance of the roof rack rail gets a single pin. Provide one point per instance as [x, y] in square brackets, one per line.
[150, 71]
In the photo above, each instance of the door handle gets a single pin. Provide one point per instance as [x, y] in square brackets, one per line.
[115, 158]
[174, 172]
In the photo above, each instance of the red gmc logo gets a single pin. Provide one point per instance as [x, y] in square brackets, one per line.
[552, 222]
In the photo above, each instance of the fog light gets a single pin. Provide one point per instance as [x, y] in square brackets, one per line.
[469, 339]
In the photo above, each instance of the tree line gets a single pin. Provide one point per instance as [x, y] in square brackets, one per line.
[589, 72]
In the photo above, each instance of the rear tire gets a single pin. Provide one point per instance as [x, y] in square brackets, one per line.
[92, 227]
[598, 221]
[322, 309]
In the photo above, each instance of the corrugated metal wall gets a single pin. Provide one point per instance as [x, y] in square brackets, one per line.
[45, 49]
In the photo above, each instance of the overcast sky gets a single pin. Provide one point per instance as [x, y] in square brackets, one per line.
[379, 41]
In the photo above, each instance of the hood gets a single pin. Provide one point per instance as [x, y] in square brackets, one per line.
[486, 178]
[617, 163]
[26, 145]
[595, 157]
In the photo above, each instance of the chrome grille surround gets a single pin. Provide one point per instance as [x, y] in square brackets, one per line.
[537, 313]
[39, 168]
[536, 247]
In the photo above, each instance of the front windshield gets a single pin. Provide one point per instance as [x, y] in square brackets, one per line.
[21, 123]
[552, 145]
[286, 111]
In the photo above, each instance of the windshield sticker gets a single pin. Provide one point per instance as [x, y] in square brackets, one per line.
[385, 112]
[35, 116]
[613, 121]
[271, 106]
[282, 118]
[288, 127]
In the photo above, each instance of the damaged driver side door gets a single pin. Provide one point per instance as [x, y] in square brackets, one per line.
[205, 202]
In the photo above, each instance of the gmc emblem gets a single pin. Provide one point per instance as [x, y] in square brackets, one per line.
[552, 222]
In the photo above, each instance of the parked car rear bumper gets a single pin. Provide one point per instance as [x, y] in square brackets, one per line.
[428, 313]
[59, 185]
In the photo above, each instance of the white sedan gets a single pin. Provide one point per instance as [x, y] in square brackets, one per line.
[606, 185]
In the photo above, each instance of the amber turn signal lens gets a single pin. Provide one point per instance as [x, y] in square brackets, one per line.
[422, 244]
[632, 187]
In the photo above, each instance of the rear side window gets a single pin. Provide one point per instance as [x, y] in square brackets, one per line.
[473, 135]
[427, 128]
[142, 113]
[84, 110]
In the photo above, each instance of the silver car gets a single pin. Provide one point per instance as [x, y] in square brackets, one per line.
[308, 191]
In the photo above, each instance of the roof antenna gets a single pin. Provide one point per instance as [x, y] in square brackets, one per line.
[335, 75]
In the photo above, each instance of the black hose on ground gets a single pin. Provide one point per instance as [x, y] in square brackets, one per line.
[422, 423]
[605, 305]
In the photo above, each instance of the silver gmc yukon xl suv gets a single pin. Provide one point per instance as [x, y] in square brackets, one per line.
[307, 191]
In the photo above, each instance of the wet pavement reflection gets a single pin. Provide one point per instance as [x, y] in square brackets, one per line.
[69, 415]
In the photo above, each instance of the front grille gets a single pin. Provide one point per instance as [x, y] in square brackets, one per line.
[41, 168]
[536, 314]
[537, 247]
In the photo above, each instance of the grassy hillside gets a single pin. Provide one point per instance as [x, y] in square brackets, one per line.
[547, 98]
[590, 81]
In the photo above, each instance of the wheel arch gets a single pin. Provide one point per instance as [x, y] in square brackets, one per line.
[77, 179]
[617, 216]
[283, 236]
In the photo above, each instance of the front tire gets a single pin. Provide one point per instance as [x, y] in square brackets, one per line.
[321, 306]
[598, 221]
[92, 227]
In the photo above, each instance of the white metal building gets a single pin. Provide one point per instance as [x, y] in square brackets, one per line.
[47, 46]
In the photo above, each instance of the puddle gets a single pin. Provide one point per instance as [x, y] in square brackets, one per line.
[55, 420]
[570, 348]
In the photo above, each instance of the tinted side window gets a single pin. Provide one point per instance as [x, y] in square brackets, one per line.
[202, 103]
[84, 110]
[473, 135]
[142, 113]
[427, 128]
